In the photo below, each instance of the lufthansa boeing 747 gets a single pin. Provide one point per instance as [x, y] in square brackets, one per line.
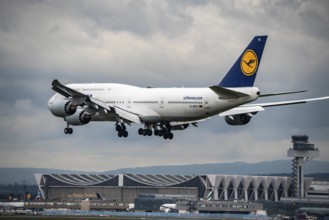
[163, 110]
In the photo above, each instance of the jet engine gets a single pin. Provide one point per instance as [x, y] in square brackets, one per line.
[80, 117]
[62, 108]
[241, 119]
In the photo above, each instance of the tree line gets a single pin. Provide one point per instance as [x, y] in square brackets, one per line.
[18, 192]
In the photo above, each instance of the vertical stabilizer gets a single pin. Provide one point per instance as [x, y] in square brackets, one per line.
[244, 70]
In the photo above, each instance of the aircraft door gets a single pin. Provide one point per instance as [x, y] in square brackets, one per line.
[162, 102]
[206, 104]
[129, 102]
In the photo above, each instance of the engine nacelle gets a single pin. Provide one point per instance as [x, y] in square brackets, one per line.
[80, 117]
[62, 108]
[241, 119]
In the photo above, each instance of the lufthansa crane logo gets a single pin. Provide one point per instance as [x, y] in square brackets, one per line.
[249, 63]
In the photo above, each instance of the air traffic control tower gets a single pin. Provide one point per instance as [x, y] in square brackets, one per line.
[302, 152]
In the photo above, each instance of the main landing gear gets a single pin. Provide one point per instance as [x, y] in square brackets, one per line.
[164, 131]
[121, 129]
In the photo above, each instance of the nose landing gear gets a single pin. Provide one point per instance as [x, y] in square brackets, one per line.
[68, 130]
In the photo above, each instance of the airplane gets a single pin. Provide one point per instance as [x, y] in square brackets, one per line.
[163, 110]
[12, 204]
[168, 208]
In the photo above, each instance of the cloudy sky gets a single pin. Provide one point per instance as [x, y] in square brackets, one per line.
[159, 44]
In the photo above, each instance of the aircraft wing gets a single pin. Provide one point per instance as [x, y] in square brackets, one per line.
[80, 98]
[121, 113]
[254, 108]
[181, 125]
[242, 110]
[127, 115]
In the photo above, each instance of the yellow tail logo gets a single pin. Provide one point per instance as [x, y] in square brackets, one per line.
[249, 63]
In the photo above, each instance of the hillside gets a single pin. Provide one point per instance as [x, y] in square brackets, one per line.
[236, 168]
[26, 175]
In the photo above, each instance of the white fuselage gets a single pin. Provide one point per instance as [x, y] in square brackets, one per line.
[161, 104]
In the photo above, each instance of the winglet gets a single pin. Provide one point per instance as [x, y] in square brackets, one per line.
[243, 72]
[64, 90]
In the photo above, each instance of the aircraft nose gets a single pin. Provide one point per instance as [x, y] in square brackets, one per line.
[49, 104]
[51, 101]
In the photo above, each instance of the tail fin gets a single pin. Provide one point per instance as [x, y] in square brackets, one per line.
[244, 70]
[99, 197]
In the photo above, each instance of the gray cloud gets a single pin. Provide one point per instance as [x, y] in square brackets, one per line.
[157, 43]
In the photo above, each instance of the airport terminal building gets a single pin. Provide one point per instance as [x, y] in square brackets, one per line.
[126, 187]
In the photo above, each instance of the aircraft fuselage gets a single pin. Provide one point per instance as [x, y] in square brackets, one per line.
[160, 104]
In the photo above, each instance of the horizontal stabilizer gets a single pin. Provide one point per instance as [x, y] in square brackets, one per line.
[227, 93]
[281, 93]
[293, 102]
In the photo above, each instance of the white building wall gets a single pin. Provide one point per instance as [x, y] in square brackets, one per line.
[268, 186]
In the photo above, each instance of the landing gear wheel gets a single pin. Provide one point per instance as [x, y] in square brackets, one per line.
[68, 130]
[170, 136]
[121, 129]
[140, 131]
[149, 132]
[118, 128]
